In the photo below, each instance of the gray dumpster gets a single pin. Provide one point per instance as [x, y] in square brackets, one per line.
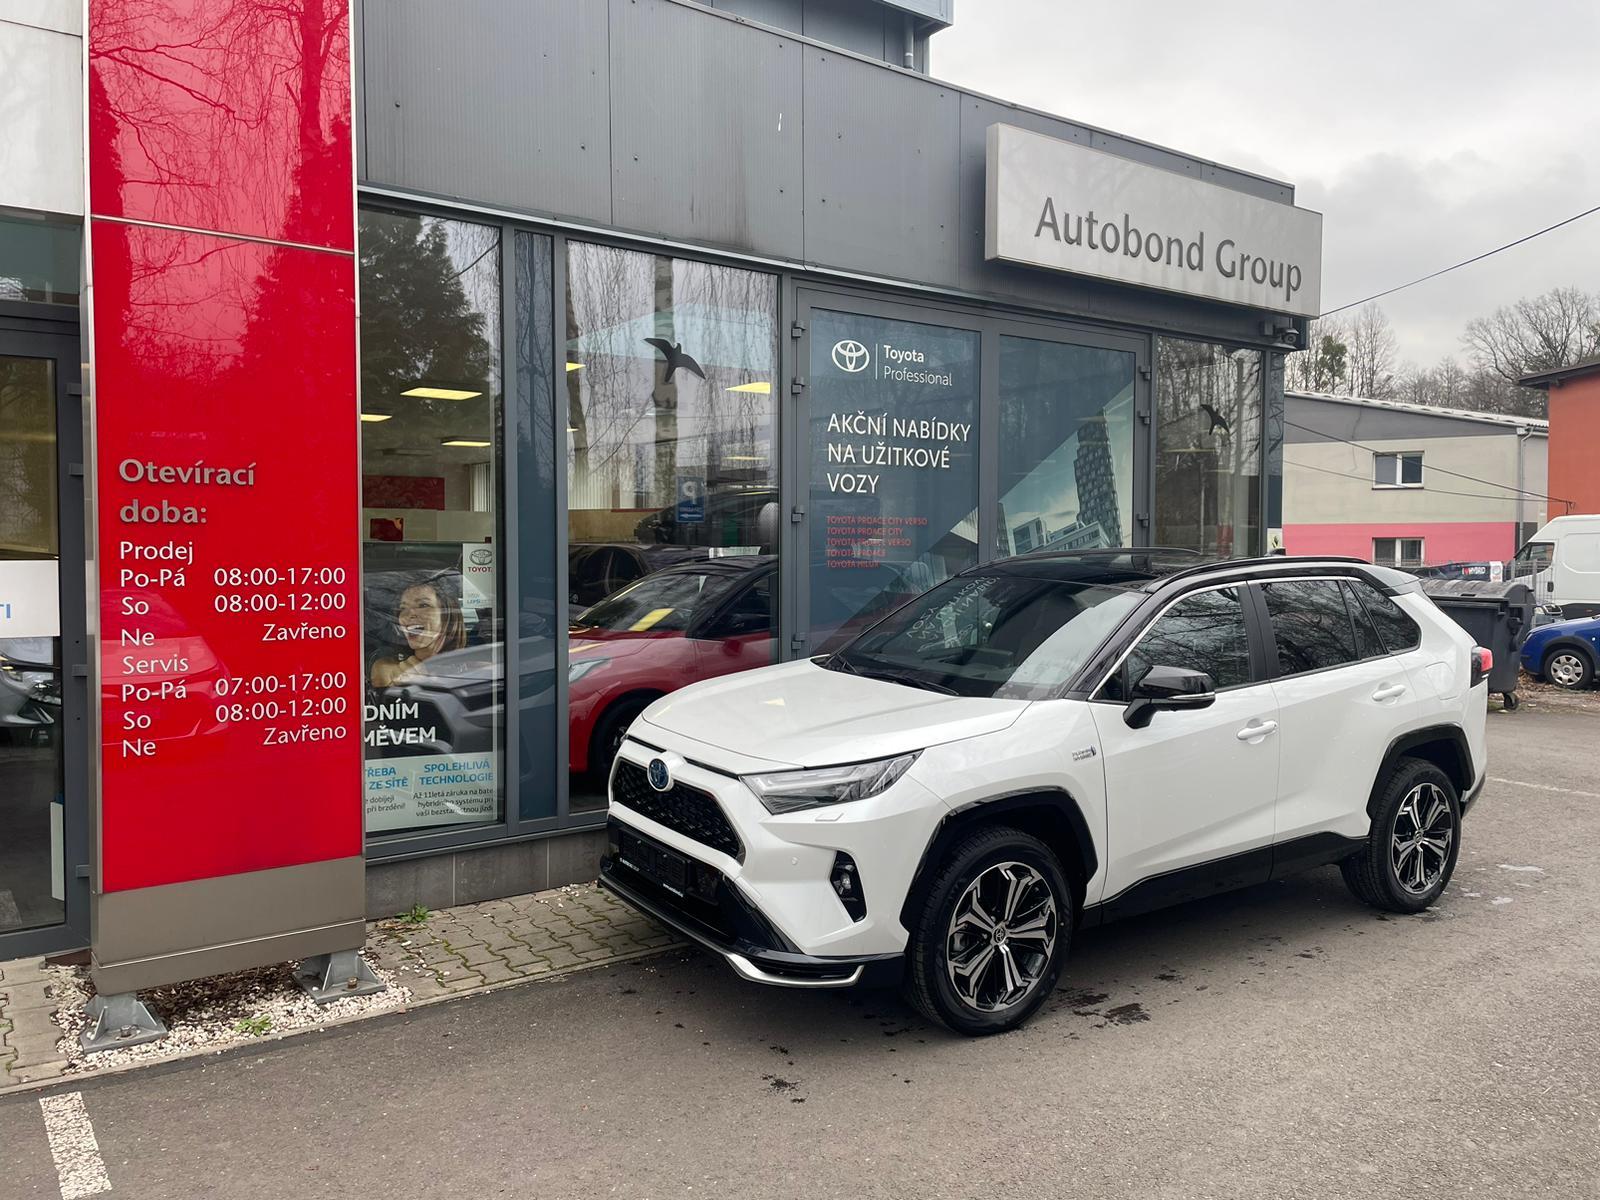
[1497, 615]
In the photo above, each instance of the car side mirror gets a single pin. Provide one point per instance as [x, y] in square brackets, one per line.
[1163, 688]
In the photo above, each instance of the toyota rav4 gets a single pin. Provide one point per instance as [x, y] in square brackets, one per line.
[1048, 742]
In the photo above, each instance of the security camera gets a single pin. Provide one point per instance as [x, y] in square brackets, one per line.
[1289, 337]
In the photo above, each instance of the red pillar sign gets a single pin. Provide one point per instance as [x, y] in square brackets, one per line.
[223, 378]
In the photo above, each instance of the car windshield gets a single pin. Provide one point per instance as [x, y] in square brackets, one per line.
[662, 603]
[1006, 636]
[1535, 556]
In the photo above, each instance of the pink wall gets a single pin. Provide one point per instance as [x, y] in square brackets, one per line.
[1443, 541]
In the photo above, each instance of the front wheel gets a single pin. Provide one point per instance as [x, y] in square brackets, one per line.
[1415, 839]
[992, 936]
[1569, 668]
[609, 734]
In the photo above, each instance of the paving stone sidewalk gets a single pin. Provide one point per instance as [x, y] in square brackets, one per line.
[433, 955]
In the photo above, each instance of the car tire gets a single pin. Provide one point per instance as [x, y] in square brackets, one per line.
[609, 732]
[1398, 870]
[964, 920]
[1568, 667]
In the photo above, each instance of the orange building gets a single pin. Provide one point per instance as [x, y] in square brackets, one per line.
[1574, 433]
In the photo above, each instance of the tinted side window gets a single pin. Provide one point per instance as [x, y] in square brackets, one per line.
[1399, 632]
[1368, 644]
[1311, 624]
[1203, 632]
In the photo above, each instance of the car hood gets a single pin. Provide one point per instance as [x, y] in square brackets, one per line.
[801, 714]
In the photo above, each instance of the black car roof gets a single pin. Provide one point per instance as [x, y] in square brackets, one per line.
[1148, 569]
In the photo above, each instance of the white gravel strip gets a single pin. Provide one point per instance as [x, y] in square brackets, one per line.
[213, 1014]
[73, 1146]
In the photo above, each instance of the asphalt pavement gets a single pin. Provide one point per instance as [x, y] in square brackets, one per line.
[1280, 1042]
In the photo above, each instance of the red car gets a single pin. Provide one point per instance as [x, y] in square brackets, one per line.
[693, 621]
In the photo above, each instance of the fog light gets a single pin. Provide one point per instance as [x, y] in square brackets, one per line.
[846, 882]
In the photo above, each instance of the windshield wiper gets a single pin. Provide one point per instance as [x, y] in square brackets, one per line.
[909, 678]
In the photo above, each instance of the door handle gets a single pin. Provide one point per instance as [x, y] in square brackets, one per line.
[1389, 691]
[1256, 730]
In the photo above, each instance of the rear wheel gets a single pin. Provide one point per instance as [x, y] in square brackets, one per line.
[1569, 667]
[1415, 839]
[993, 934]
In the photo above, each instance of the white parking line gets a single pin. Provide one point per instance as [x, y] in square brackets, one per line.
[72, 1145]
[1545, 787]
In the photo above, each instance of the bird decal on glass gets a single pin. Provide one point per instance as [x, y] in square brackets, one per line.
[673, 353]
[1218, 421]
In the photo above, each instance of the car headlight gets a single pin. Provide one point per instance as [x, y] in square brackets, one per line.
[577, 670]
[792, 791]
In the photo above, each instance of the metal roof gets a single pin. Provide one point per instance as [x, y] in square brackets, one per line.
[1535, 424]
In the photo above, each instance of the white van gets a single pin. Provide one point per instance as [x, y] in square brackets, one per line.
[1562, 564]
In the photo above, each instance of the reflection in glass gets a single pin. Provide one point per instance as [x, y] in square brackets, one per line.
[30, 648]
[1203, 632]
[1208, 447]
[1066, 446]
[430, 420]
[39, 260]
[670, 369]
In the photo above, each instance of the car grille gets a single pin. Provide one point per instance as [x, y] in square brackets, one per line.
[685, 810]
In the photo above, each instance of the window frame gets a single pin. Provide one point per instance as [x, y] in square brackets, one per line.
[1271, 634]
[1259, 662]
[1398, 559]
[1399, 485]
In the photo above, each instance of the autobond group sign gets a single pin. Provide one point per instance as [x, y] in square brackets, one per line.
[1069, 208]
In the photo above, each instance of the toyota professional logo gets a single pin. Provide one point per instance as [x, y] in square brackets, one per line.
[660, 778]
[851, 356]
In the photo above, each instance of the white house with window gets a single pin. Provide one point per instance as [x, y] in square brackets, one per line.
[1410, 485]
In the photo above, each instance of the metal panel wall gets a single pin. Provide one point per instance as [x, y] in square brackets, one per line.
[502, 102]
[41, 114]
[881, 180]
[780, 14]
[847, 24]
[705, 137]
[662, 117]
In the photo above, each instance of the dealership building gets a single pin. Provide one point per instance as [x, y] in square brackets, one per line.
[394, 401]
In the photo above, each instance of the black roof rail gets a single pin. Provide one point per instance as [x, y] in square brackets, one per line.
[1264, 560]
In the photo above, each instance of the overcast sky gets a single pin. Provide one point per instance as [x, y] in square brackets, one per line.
[1424, 131]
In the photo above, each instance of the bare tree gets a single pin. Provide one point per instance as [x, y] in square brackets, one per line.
[1554, 330]
[1372, 364]
[1323, 366]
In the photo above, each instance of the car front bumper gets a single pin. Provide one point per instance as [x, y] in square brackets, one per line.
[710, 910]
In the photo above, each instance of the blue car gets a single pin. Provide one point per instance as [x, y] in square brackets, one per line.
[1565, 652]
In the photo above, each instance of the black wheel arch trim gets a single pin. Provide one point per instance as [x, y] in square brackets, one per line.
[955, 822]
[1464, 776]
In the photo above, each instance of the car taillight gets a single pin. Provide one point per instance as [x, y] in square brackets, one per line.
[1482, 660]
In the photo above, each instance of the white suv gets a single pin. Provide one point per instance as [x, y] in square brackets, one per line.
[1047, 741]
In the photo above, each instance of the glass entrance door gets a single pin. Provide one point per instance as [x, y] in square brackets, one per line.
[34, 824]
[892, 409]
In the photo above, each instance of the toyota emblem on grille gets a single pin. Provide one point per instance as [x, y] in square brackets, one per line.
[660, 778]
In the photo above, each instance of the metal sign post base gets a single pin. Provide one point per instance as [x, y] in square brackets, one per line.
[329, 977]
[118, 1021]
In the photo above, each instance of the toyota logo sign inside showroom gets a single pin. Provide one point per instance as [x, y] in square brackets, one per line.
[850, 356]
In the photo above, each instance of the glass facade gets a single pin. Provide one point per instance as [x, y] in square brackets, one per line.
[1209, 452]
[430, 522]
[574, 478]
[1066, 446]
[672, 500]
[31, 813]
